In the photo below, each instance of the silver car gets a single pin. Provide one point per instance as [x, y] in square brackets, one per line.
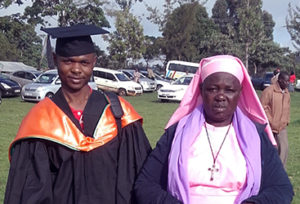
[46, 85]
[158, 79]
[146, 83]
[24, 77]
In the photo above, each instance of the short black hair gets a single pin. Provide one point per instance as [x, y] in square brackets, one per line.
[282, 74]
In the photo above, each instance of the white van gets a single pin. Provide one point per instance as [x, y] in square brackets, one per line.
[116, 81]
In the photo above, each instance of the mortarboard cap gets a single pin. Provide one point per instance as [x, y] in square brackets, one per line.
[74, 40]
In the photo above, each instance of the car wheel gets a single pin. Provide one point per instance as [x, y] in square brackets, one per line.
[158, 86]
[49, 95]
[122, 92]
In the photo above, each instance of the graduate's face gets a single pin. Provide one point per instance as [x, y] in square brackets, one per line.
[220, 92]
[75, 72]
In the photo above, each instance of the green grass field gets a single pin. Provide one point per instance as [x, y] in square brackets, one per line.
[155, 115]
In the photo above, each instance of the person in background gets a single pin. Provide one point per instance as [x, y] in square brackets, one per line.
[275, 100]
[136, 75]
[217, 146]
[150, 73]
[81, 146]
[292, 82]
[275, 76]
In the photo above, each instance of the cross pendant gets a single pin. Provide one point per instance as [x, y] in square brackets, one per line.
[212, 170]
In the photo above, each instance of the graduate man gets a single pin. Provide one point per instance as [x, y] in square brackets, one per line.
[73, 148]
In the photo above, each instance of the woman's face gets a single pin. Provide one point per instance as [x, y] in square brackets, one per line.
[220, 92]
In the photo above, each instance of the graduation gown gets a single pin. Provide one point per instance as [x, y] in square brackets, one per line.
[47, 169]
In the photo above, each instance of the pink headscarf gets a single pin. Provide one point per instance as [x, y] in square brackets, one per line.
[248, 102]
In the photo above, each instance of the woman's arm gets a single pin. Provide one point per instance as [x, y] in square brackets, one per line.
[276, 187]
[151, 184]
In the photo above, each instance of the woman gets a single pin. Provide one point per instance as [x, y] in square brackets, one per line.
[217, 147]
[292, 81]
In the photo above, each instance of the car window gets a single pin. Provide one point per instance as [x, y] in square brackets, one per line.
[110, 76]
[46, 78]
[128, 74]
[158, 77]
[29, 76]
[183, 81]
[122, 77]
[20, 74]
[99, 74]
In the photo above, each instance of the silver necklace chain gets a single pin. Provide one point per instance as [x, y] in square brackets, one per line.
[213, 168]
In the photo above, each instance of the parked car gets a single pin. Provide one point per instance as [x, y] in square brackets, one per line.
[146, 83]
[46, 85]
[116, 81]
[9, 87]
[160, 82]
[175, 91]
[24, 77]
[263, 82]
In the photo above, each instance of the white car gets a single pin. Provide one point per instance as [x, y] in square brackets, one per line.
[146, 83]
[176, 90]
[160, 82]
[46, 85]
[116, 81]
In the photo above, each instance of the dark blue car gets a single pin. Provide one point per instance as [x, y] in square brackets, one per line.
[8, 87]
[263, 82]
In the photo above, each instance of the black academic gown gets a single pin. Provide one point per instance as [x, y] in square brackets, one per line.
[46, 172]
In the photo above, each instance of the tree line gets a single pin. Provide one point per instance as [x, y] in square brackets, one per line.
[239, 28]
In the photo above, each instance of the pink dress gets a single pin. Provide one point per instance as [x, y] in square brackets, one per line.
[231, 175]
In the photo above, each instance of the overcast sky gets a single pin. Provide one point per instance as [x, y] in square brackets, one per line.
[278, 9]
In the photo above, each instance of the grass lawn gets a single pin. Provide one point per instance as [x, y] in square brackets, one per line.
[155, 115]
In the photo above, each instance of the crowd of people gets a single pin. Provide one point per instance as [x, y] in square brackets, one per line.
[222, 145]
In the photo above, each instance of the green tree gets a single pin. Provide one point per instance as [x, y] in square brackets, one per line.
[268, 25]
[220, 15]
[267, 56]
[293, 25]
[21, 39]
[127, 42]
[160, 18]
[246, 24]
[153, 50]
[251, 31]
[126, 4]
[68, 12]
[186, 31]
[8, 51]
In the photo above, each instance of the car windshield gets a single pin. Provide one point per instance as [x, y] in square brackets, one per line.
[46, 78]
[3, 76]
[36, 73]
[122, 77]
[158, 77]
[183, 81]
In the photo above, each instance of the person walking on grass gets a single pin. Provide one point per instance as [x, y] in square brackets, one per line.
[275, 100]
